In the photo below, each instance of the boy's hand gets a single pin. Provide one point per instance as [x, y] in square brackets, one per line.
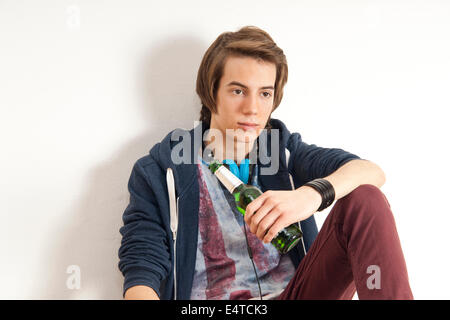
[274, 210]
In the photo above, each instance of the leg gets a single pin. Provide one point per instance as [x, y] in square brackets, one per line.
[357, 248]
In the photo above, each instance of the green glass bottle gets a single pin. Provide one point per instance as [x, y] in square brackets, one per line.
[244, 194]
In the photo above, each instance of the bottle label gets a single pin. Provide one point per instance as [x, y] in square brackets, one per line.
[228, 179]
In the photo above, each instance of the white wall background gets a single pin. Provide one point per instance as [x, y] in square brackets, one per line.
[88, 87]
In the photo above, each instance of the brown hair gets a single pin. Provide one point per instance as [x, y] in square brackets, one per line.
[249, 41]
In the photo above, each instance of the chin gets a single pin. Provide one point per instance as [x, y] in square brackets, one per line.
[242, 135]
[247, 137]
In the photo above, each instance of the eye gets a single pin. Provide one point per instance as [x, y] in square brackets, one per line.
[237, 91]
[266, 94]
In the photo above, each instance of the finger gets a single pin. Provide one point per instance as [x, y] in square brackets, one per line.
[266, 223]
[254, 206]
[276, 227]
[260, 214]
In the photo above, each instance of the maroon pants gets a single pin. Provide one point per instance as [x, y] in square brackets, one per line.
[357, 249]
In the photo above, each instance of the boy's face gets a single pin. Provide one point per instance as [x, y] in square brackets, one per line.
[245, 96]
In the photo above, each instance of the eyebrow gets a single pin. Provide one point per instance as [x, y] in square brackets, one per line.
[235, 83]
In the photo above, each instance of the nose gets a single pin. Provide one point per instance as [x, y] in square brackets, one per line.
[250, 105]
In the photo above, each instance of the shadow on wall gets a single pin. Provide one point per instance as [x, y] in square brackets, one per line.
[167, 78]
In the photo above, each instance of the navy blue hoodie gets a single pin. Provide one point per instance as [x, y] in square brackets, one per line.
[147, 250]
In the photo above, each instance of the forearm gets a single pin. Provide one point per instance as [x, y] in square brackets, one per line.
[286, 207]
[141, 293]
[353, 174]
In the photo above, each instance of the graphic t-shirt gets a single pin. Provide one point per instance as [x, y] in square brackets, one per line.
[223, 269]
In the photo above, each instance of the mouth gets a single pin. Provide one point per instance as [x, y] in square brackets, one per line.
[247, 126]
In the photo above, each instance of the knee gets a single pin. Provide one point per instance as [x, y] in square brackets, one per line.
[365, 203]
[366, 195]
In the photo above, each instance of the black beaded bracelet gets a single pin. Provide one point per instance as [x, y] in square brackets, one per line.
[326, 190]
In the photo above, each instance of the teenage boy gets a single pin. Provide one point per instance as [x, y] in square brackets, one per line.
[240, 83]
